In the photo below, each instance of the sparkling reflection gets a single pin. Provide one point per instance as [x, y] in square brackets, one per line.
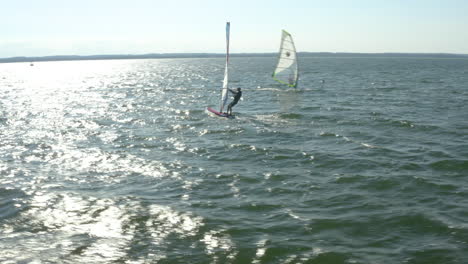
[76, 135]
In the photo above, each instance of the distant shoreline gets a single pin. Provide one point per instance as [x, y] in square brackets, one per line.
[220, 55]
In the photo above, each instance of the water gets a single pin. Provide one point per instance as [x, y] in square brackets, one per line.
[117, 162]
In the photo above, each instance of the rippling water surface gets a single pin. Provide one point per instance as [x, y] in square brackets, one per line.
[117, 162]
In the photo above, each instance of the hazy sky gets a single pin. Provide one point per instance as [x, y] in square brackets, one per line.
[85, 27]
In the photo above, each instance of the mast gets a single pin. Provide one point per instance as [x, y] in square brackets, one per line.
[224, 92]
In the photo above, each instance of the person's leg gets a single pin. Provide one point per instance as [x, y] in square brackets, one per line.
[229, 108]
[231, 105]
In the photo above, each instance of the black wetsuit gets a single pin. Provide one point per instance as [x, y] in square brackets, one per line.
[237, 96]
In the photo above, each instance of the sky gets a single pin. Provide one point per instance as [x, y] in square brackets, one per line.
[91, 27]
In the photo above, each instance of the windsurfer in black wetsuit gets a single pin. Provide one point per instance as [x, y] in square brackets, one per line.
[237, 96]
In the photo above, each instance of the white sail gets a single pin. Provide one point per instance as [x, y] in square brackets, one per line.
[224, 92]
[286, 71]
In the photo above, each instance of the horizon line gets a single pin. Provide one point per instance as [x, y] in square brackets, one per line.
[214, 54]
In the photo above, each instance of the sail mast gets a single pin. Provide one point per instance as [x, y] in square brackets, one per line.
[224, 92]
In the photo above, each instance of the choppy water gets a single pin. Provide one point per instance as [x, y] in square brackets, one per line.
[117, 162]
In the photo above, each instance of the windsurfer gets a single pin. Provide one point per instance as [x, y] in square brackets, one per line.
[291, 79]
[237, 96]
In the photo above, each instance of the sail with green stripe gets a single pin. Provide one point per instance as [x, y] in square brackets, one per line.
[286, 71]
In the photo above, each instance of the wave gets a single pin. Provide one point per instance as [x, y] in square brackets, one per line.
[451, 165]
